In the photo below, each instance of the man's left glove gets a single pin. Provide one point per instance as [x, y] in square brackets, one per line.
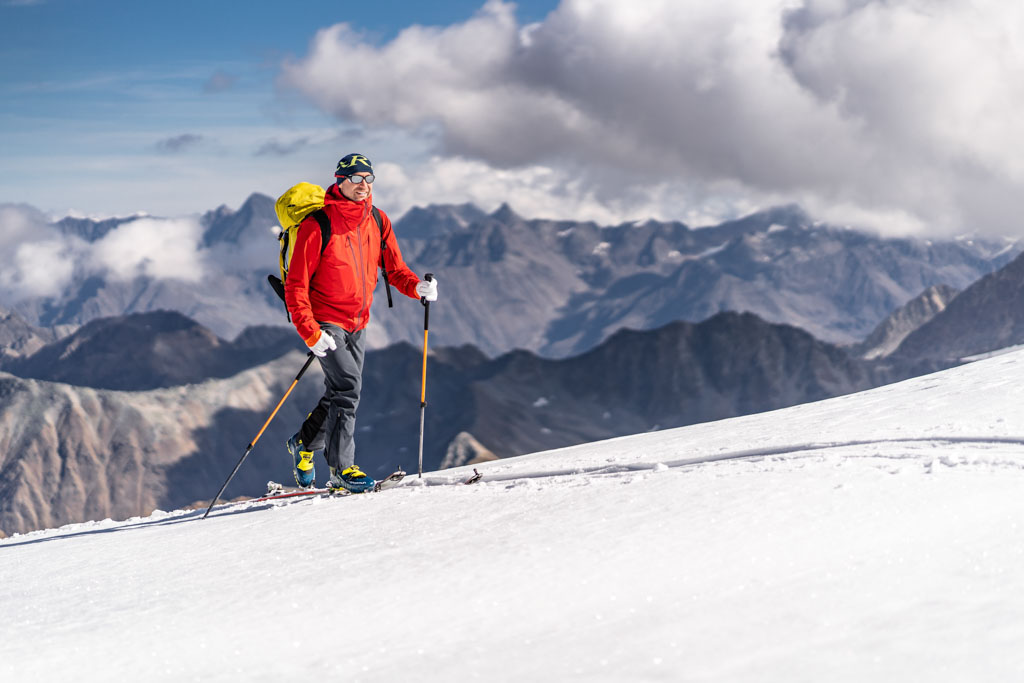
[427, 289]
[324, 344]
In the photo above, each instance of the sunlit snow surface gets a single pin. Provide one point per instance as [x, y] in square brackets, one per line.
[874, 537]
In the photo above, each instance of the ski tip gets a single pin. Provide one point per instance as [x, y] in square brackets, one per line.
[390, 481]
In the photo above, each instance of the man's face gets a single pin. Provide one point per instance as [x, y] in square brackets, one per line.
[357, 192]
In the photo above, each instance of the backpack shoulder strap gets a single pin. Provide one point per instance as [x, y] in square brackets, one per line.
[380, 226]
[383, 246]
[380, 223]
[325, 228]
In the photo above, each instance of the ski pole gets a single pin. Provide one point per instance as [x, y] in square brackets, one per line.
[252, 443]
[423, 386]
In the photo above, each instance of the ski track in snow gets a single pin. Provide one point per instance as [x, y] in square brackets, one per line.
[801, 450]
[877, 536]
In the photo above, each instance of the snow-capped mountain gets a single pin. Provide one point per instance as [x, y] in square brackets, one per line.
[872, 537]
[556, 288]
[560, 288]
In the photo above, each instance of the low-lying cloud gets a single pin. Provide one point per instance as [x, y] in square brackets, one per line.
[40, 260]
[151, 247]
[44, 261]
[897, 112]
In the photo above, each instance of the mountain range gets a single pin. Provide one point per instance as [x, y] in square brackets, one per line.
[147, 351]
[71, 448]
[557, 288]
[116, 415]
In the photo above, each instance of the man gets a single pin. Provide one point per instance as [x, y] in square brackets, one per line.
[328, 293]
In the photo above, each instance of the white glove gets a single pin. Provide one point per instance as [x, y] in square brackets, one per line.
[427, 289]
[324, 344]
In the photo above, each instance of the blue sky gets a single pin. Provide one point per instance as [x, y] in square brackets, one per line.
[895, 115]
[106, 94]
[70, 40]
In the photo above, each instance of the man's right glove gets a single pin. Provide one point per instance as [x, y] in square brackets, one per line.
[324, 344]
[427, 289]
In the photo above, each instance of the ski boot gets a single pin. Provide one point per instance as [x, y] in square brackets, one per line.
[302, 463]
[351, 479]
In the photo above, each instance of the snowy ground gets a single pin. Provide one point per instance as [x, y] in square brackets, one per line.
[874, 537]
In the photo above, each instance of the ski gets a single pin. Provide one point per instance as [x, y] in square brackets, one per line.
[280, 493]
[276, 491]
[390, 481]
[449, 480]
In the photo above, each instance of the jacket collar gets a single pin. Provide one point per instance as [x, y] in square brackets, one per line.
[352, 213]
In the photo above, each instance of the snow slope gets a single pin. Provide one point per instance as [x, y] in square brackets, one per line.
[873, 537]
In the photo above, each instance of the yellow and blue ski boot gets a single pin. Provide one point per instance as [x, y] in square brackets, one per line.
[351, 479]
[302, 463]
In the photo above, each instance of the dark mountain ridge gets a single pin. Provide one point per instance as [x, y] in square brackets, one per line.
[987, 316]
[147, 351]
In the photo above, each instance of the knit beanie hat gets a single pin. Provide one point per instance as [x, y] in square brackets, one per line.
[353, 163]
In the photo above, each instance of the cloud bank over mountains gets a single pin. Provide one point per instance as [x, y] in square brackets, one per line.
[44, 260]
[40, 260]
[899, 113]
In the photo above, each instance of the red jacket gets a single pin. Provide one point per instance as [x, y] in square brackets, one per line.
[337, 287]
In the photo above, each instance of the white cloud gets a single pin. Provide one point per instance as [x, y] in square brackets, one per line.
[19, 220]
[535, 190]
[554, 193]
[43, 261]
[41, 269]
[901, 112]
[40, 261]
[151, 247]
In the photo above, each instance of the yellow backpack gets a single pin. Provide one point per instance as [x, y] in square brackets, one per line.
[292, 207]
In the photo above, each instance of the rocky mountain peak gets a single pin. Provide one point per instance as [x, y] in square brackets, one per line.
[987, 316]
[252, 221]
[891, 332]
[505, 214]
[436, 220]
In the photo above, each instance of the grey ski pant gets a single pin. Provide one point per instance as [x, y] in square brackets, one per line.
[343, 379]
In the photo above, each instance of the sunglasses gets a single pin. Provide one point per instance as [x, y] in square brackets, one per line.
[356, 179]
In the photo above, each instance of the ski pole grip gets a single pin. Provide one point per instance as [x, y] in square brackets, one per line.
[428, 277]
